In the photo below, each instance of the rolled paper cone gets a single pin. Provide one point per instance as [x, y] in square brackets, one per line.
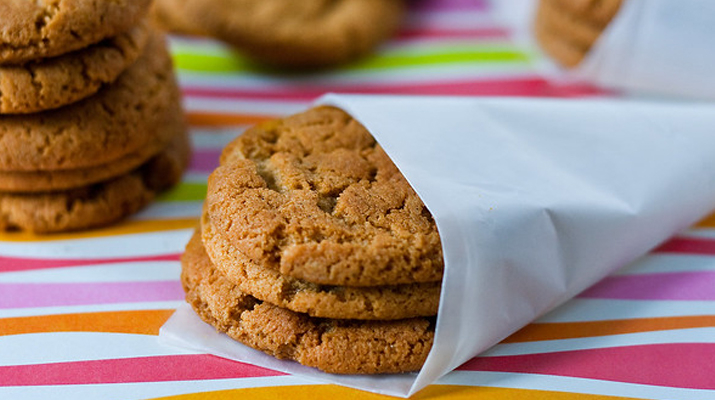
[535, 200]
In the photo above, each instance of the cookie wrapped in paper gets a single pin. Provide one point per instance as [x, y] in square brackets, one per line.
[534, 201]
[653, 47]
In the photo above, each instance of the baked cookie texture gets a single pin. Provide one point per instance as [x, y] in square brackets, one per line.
[298, 34]
[51, 83]
[91, 123]
[333, 345]
[172, 16]
[32, 30]
[313, 247]
[314, 197]
[567, 29]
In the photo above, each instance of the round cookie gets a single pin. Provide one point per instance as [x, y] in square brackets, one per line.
[171, 16]
[31, 30]
[116, 121]
[45, 181]
[299, 34]
[50, 83]
[379, 302]
[567, 30]
[99, 204]
[332, 345]
[314, 197]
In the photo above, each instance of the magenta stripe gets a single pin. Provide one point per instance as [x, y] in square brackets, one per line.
[204, 160]
[441, 33]
[688, 245]
[662, 286]
[682, 365]
[10, 264]
[128, 370]
[508, 87]
[26, 295]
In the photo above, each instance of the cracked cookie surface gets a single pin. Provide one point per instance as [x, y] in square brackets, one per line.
[51, 83]
[303, 34]
[332, 345]
[344, 302]
[314, 197]
[97, 130]
[31, 30]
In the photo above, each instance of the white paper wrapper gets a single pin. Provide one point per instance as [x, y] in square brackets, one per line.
[651, 47]
[535, 200]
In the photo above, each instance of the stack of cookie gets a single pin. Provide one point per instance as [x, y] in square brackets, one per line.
[313, 247]
[91, 125]
[567, 29]
[288, 33]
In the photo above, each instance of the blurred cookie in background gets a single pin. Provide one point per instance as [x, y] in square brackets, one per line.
[567, 29]
[288, 34]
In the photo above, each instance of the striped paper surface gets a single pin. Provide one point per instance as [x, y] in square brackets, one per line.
[80, 312]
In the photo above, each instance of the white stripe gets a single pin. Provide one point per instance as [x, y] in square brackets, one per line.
[251, 106]
[694, 335]
[171, 209]
[215, 138]
[704, 233]
[42, 348]
[138, 271]
[195, 177]
[663, 263]
[140, 391]
[130, 245]
[572, 385]
[41, 311]
[579, 310]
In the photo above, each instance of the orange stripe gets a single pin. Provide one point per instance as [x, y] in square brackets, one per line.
[434, 392]
[123, 228]
[145, 322]
[209, 119]
[570, 330]
[708, 222]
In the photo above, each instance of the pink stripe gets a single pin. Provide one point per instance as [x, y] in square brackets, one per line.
[662, 286]
[10, 264]
[683, 365]
[511, 87]
[441, 33]
[688, 245]
[128, 370]
[204, 160]
[60, 294]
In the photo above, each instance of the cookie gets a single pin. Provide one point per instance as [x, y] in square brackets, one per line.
[567, 30]
[117, 121]
[50, 83]
[299, 34]
[332, 345]
[30, 30]
[44, 181]
[379, 302]
[99, 204]
[171, 15]
[314, 197]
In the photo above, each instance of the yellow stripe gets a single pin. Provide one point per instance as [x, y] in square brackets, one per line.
[434, 392]
[123, 228]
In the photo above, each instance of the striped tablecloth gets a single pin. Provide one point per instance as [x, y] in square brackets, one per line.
[80, 312]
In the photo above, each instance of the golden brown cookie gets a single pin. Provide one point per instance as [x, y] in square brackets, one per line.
[45, 181]
[99, 204]
[50, 83]
[171, 15]
[118, 120]
[302, 34]
[378, 302]
[566, 30]
[30, 30]
[332, 345]
[314, 197]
